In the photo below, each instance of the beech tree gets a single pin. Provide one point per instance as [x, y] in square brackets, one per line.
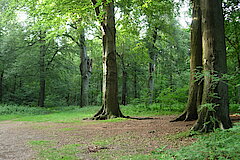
[196, 81]
[215, 107]
[110, 107]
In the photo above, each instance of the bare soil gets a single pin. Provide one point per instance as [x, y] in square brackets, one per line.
[115, 139]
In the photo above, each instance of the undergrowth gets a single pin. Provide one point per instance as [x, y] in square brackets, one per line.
[221, 145]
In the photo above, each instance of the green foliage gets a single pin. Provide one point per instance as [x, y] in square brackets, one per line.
[6, 109]
[234, 108]
[222, 144]
[169, 97]
[151, 110]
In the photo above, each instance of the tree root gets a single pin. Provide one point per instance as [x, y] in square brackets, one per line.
[185, 116]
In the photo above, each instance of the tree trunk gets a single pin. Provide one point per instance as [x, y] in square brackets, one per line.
[238, 94]
[215, 109]
[1, 86]
[196, 82]
[124, 87]
[85, 69]
[152, 55]
[124, 78]
[42, 69]
[110, 107]
[135, 82]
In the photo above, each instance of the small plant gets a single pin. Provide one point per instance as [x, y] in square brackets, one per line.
[221, 144]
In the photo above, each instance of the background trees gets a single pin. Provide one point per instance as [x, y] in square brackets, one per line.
[41, 55]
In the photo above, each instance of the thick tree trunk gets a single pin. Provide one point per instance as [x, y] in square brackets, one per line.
[196, 81]
[42, 69]
[85, 69]
[1, 86]
[215, 108]
[110, 107]
[152, 64]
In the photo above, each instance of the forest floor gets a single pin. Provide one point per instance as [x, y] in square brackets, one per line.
[92, 139]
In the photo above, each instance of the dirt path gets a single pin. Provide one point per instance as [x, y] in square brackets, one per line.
[125, 138]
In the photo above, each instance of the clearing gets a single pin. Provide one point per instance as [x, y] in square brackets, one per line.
[89, 140]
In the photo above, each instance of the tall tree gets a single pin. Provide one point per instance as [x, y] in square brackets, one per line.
[85, 69]
[215, 108]
[42, 70]
[110, 107]
[85, 61]
[152, 65]
[196, 81]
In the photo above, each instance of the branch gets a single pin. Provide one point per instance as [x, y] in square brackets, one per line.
[97, 10]
[72, 38]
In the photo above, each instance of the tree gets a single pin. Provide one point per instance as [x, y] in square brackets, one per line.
[42, 69]
[110, 107]
[215, 108]
[196, 81]
[86, 62]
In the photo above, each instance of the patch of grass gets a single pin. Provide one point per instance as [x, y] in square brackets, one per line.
[71, 114]
[67, 114]
[67, 129]
[47, 150]
[222, 144]
[41, 143]
[103, 143]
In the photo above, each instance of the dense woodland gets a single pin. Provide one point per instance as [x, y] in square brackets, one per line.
[98, 52]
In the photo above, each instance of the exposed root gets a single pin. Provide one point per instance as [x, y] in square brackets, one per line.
[185, 116]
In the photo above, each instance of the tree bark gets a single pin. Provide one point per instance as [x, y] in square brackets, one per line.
[124, 87]
[135, 91]
[215, 109]
[124, 78]
[110, 107]
[42, 69]
[152, 55]
[85, 69]
[1, 86]
[196, 81]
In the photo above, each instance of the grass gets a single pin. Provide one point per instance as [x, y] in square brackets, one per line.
[49, 150]
[71, 114]
[222, 144]
[219, 145]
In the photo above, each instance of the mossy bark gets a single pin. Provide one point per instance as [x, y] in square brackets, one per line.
[215, 110]
[196, 81]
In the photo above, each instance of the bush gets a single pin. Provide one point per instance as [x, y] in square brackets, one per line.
[15, 109]
[234, 107]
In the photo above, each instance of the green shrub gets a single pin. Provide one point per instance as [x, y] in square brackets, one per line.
[222, 145]
[6, 109]
[234, 107]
